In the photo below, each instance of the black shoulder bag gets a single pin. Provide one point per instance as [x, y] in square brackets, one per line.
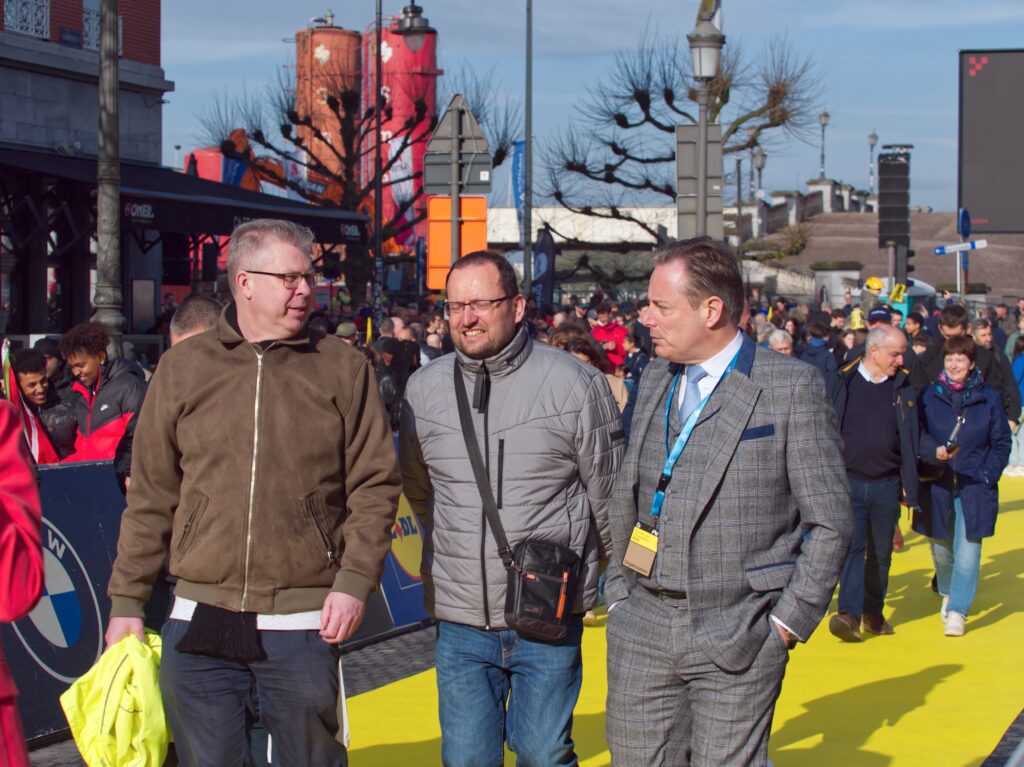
[542, 574]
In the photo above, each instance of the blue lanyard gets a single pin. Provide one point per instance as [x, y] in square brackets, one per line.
[672, 457]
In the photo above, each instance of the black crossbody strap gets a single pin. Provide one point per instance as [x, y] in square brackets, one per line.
[482, 480]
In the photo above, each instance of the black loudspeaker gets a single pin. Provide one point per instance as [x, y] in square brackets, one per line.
[210, 254]
[894, 199]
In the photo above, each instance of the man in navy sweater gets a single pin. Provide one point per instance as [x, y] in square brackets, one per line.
[880, 432]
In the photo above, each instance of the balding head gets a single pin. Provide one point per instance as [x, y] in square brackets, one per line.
[884, 350]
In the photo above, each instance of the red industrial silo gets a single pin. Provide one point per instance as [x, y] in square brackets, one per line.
[409, 79]
[327, 62]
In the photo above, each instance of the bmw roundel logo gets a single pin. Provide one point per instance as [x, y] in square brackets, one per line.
[64, 633]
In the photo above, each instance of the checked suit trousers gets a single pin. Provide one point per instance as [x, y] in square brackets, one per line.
[667, 701]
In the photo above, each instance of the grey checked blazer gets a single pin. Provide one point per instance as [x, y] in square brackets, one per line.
[759, 502]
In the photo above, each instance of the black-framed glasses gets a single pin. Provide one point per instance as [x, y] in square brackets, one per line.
[480, 306]
[291, 279]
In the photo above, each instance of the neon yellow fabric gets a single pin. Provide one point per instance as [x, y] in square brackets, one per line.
[115, 711]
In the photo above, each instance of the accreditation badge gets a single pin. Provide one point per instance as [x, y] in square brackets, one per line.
[642, 548]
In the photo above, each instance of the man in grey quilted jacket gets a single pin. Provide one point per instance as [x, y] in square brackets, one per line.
[550, 435]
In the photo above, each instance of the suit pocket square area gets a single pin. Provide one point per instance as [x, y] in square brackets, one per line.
[757, 432]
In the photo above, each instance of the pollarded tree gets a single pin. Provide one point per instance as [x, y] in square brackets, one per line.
[335, 151]
[620, 150]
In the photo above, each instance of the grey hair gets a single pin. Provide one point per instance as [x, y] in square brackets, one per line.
[251, 237]
[878, 335]
[779, 336]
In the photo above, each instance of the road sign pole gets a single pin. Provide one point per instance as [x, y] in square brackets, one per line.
[963, 226]
[528, 175]
[456, 149]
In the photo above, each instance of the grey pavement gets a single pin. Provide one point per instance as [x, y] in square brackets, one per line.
[365, 668]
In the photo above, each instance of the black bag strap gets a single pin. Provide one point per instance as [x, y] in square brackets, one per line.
[483, 482]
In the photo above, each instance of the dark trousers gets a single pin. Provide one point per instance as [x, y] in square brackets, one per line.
[865, 576]
[210, 703]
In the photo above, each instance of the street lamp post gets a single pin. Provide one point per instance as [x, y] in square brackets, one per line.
[109, 299]
[760, 158]
[823, 119]
[705, 49]
[872, 141]
[378, 176]
[739, 201]
[752, 140]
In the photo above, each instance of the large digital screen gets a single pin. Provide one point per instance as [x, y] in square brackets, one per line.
[991, 166]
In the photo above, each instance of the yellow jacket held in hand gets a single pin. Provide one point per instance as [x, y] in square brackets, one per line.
[115, 711]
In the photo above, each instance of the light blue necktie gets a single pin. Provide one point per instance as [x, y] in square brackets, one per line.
[694, 375]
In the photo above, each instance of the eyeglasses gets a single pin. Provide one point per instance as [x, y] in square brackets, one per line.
[481, 306]
[291, 279]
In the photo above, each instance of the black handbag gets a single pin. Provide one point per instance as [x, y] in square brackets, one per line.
[542, 574]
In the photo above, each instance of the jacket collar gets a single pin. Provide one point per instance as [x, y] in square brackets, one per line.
[229, 333]
[850, 369]
[505, 362]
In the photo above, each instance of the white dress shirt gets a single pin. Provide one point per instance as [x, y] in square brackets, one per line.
[715, 369]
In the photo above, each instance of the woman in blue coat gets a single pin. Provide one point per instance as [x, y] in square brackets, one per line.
[959, 508]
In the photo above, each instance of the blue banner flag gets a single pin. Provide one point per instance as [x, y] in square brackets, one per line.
[519, 184]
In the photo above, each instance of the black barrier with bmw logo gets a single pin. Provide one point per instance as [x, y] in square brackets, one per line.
[63, 636]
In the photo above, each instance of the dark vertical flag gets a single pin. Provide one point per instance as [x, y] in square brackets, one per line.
[544, 251]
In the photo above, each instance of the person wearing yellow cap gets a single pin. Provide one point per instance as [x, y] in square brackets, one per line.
[869, 294]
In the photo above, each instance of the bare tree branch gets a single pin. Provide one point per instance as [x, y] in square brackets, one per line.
[621, 147]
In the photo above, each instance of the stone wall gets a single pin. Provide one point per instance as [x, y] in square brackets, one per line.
[49, 99]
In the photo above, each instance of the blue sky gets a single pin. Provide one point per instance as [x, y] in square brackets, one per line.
[884, 66]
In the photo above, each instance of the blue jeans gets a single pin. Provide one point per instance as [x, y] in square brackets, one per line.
[211, 703]
[865, 576]
[957, 563]
[495, 686]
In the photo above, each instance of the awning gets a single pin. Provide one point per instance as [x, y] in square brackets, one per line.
[161, 199]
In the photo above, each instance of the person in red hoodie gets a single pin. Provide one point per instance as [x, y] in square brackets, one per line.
[610, 333]
[105, 396]
[21, 564]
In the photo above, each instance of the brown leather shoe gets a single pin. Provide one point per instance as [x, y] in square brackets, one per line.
[876, 624]
[845, 626]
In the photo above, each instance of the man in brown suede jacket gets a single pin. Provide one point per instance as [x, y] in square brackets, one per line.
[265, 467]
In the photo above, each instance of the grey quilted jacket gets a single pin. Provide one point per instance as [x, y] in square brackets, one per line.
[552, 440]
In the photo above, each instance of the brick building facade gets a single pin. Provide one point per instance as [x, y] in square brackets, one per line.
[49, 65]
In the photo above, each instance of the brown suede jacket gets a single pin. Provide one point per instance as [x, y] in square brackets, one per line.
[267, 471]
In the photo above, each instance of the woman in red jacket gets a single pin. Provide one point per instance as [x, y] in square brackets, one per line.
[21, 564]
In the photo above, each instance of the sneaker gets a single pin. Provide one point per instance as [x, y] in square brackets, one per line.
[845, 627]
[955, 624]
[877, 625]
[943, 611]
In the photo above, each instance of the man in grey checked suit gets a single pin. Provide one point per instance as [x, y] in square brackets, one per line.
[753, 531]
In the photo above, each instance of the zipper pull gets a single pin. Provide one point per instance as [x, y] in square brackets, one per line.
[561, 597]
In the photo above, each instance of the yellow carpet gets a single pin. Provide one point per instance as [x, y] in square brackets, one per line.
[916, 698]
